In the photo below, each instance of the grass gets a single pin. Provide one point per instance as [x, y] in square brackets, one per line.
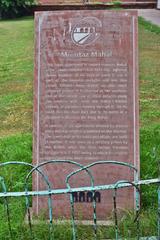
[16, 71]
[63, 231]
[149, 74]
[16, 100]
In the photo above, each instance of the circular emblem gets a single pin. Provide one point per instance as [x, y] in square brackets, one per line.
[86, 31]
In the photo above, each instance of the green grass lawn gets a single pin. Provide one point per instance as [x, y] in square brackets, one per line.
[16, 100]
[16, 76]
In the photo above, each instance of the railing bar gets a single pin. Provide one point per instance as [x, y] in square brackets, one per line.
[94, 215]
[6, 207]
[8, 217]
[74, 227]
[29, 223]
[29, 215]
[51, 230]
[80, 189]
[137, 208]
[115, 213]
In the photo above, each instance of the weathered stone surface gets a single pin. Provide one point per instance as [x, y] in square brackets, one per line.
[85, 102]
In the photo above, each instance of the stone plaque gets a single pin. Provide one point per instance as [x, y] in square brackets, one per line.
[85, 103]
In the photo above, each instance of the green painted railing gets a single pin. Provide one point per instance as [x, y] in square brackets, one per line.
[72, 191]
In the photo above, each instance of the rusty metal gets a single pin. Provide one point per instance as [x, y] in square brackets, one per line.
[50, 192]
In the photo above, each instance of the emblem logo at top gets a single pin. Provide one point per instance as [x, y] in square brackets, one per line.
[86, 31]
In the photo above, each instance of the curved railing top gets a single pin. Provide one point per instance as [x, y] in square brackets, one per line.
[28, 165]
[81, 168]
[99, 163]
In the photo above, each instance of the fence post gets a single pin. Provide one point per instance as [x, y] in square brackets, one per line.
[115, 212]
[6, 206]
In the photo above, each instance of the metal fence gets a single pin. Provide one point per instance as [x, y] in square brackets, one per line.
[49, 192]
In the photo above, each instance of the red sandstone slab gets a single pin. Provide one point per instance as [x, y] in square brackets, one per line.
[85, 103]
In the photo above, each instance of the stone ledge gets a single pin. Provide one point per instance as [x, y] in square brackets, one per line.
[124, 5]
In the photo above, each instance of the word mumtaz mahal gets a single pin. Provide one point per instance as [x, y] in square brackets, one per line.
[93, 54]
